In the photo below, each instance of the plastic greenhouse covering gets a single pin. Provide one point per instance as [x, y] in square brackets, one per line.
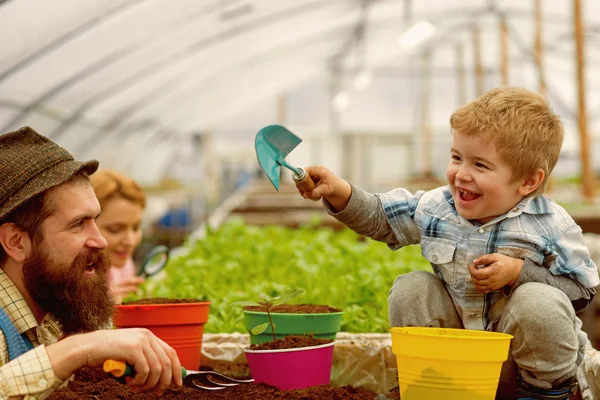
[139, 83]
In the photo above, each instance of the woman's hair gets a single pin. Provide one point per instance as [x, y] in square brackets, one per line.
[109, 184]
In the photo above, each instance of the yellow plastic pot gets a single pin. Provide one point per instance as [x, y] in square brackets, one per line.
[449, 364]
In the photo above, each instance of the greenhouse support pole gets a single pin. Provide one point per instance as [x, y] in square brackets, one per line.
[425, 114]
[539, 62]
[282, 110]
[539, 46]
[504, 66]
[586, 170]
[461, 75]
[477, 61]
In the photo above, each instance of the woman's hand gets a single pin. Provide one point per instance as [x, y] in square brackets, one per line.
[124, 287]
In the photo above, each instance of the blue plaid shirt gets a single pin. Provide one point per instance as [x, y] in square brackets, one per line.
[537, 229]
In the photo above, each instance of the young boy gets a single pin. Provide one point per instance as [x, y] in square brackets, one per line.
[505, 258]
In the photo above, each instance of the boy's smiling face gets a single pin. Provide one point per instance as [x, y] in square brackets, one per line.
[481, 181]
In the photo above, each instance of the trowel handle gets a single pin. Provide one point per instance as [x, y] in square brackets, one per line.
[121, 369]
[303, 180]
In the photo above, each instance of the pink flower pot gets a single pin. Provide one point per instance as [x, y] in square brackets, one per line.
[289, 369]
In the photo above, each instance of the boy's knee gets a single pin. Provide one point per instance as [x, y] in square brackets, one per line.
[413, 284]
[408, 289]
[537, 301]
[408, 308]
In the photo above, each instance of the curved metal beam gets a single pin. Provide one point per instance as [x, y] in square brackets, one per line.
[91, 69]
[68, 37]
[158, 65]
[121, 120]
[101, 64]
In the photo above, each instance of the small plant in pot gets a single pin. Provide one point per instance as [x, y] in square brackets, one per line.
[294, 362]
[322, 321]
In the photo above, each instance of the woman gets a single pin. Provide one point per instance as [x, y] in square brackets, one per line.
[123, 203]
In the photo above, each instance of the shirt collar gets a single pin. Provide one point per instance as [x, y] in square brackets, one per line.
[13, 304]
[535, 205]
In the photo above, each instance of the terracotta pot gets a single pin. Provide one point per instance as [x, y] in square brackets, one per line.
[180, 325]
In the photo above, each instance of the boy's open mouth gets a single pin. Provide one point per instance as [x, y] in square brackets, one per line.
[466, 195]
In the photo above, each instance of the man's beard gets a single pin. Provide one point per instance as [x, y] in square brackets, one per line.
[79, 302]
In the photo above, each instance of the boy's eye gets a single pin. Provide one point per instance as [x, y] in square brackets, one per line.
[480, 165]
[455, 157]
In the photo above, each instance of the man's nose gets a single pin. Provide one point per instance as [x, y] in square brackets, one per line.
[96, 240]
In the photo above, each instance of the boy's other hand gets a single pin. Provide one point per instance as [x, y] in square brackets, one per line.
[336, 190]
[494, 271]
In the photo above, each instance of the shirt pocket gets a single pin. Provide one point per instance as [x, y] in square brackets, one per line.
[440, 253]
[522, 253]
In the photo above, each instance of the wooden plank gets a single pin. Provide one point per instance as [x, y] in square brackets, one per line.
[504, 71]
[289, 219]
[479, 85]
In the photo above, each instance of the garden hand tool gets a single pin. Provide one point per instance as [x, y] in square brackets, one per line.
[206, 380]
[273, 143]
[154, 261]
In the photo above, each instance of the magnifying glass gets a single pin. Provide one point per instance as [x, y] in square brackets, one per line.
[154, 261]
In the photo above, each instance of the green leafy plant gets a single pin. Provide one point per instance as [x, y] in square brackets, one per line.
[237, 262]
[268, 303]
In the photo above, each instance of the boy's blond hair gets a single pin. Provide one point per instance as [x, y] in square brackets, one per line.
[520, 123]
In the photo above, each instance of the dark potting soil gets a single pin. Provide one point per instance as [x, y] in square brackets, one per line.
[162, 300]
[290, 342]
[296, 309]
[95, 384]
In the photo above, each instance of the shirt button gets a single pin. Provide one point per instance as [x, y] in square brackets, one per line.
[481, 230]
[434, 257]
[43, 383]
[516, 209]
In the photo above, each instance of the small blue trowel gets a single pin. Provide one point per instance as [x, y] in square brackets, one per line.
[273, 143]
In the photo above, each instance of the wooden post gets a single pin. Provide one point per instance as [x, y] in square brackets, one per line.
[539, 46]
[281, 110]
[425, 123]
[586, 170]
[281, 120]
[504, 60]
[477, 61]
[461, 75]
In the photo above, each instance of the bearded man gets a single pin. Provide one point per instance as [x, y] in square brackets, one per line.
[54, 290]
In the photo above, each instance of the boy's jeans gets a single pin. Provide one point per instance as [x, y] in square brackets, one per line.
[548, 342]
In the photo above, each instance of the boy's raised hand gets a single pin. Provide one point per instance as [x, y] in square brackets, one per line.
[495, 271]
[336, 190]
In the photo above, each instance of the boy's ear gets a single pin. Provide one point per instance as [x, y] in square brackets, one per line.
[532, 182]
[14, 241]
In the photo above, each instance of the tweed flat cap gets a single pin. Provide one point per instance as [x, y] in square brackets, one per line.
[31, 164]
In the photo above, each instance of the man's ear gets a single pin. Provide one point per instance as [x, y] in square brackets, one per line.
[14, 241]
[532, 182]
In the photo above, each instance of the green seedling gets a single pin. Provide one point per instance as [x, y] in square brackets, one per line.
[268, 303]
